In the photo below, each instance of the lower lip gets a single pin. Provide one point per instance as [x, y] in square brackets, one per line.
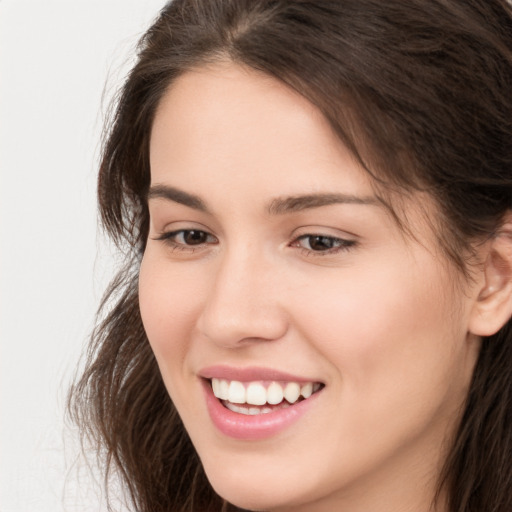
[253, 427]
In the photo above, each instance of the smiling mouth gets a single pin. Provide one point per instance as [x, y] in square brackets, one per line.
[260, 397]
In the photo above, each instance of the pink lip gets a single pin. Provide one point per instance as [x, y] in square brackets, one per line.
[248, 427]
[248, 374]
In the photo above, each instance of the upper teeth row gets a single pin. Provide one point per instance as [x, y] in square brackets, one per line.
[255, 393]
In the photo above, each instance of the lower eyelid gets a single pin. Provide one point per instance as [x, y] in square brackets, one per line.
[328, 252]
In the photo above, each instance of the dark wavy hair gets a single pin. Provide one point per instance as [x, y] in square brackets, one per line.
[420, 91]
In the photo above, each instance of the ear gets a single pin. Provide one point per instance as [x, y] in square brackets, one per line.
[493, 305]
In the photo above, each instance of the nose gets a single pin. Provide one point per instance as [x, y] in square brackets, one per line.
[244, 303]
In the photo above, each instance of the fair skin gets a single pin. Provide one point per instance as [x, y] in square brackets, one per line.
[234, 276]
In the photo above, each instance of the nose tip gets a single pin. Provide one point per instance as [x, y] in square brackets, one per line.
[243, 306]
[232, 327]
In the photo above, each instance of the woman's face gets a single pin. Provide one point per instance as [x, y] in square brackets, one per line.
[272, 268]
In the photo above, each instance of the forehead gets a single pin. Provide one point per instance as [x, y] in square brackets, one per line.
[226, 121]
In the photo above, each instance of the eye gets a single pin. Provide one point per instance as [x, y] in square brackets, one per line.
[187, 239]
[322, 244]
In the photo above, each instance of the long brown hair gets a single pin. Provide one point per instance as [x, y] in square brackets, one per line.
[421, 93]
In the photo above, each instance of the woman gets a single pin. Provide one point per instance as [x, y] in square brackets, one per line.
[314, 199]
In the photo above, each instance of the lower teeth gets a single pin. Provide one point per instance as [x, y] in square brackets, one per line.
[253, 411]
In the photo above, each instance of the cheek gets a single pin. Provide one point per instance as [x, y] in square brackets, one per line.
[169, 301]
[394, 339]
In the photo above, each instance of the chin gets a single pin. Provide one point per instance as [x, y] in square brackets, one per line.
[257, 491]
[252, 498]
[245, 491]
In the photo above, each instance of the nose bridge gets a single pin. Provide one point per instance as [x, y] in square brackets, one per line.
[243, 303]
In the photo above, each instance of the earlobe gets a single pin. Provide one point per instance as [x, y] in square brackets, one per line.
[493, 305]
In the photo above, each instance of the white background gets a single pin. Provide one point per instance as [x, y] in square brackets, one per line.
[56, 58]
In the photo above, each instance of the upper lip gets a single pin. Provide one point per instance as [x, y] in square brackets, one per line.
[250, 373]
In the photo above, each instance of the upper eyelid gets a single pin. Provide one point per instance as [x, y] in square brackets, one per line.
[295, 236]
[324, 230]
[161, 226]
[346, 238]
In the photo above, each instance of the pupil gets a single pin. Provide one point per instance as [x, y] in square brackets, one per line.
[320, 243]
[195, 237]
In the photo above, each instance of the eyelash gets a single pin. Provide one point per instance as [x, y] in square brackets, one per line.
[168, 239]
[338, 244]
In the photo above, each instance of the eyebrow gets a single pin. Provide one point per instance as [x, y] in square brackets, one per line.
[291, 204]
[178, 196]
[278, 206]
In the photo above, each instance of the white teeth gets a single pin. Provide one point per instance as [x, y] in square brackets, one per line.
[236, 392]
[306, 390]
[223, 389]
[215, 387]
[274, 394]
[255, 393]
[291, 392]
